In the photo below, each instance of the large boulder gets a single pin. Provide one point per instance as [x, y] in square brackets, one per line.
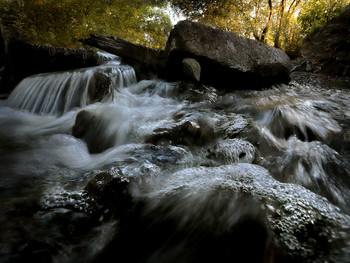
[235, 213]
[226, 60]
[218, 58]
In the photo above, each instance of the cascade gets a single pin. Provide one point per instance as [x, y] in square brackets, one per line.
[96, 166]
[57, 93]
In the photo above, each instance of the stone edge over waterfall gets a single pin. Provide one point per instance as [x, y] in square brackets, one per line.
[19, 60]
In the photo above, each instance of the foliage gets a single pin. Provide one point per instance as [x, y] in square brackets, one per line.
[314, 14]
[276, 22]
[281, 23]
[64, 22]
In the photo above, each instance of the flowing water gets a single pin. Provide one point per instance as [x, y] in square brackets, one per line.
[212, 175]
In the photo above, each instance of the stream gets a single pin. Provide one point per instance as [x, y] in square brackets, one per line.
[195, 174]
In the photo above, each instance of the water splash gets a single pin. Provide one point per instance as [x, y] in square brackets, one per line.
[315, 166]
[288, 111]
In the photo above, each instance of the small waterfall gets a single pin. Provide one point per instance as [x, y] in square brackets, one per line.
[58, 93]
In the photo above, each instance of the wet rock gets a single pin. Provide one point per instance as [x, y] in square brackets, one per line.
[180, 134]
[182, 230]
[89, 126]
[196, 92]
[109, 190]
[305, 226]
[231, 125]
[191, 68]
[232, 151]
[77, 201]
[38, 233]
[187, 132]
[105, 195]
[341, 142]
[102, 86]
[320, 80]
[99, 184]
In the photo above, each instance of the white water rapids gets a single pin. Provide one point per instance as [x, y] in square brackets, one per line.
[59, 130]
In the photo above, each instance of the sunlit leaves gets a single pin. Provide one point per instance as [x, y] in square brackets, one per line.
[315, 14]
[275, 22]
[64, 22]
[282, 23]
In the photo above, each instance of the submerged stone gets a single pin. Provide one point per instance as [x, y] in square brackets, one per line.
[90, 127]
[109, 190]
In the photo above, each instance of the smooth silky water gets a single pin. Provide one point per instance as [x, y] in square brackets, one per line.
[58, 130]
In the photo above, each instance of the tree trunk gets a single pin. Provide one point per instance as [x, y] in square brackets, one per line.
[267, 27]
[279, 26]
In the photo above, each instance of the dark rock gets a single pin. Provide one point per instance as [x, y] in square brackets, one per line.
[232, 151]
[97, 186]
[304, 66]
[105, 194]
[25, 59]
[101, 86]
[109, 189]
[196, 92]
[184, 134]
[146, 61]
[320, 80]
[36, 251]
[197, 237]
[336, 66]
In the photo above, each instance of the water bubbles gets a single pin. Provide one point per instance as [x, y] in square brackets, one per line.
[232, 151]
